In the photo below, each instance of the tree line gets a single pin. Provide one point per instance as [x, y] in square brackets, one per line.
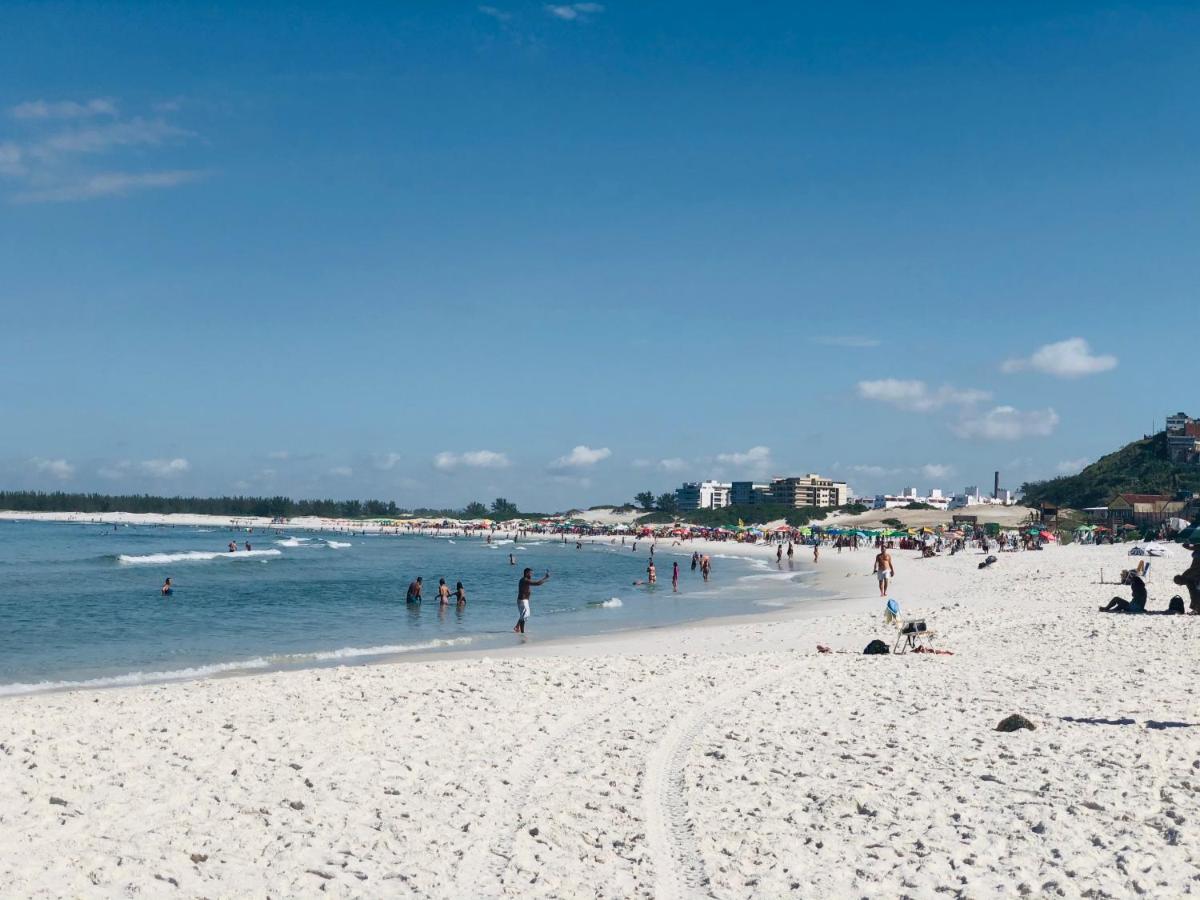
[270, 507]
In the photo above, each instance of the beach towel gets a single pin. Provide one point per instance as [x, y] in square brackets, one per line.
[891, 613]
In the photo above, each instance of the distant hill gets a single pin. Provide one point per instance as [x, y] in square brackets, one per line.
[1142, 467]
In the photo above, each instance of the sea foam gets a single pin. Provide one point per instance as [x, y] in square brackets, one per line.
[246, 665]
[159, 559]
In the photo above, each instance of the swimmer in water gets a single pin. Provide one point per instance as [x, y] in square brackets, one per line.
[167, 588]
[247, 546]
[414, 591]
[232, 547]
[443, 592]
[460, 595]
[512, 560]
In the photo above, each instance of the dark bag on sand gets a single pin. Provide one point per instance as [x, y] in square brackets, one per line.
[876, 648]
[987, 562]
[1176, 607]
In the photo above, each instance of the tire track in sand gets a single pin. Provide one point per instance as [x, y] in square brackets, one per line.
[481, 870]
[678, 864]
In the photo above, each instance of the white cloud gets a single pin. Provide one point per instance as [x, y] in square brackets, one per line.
[96, 139]
[342, 471]
[1005, 423]
[64, 109]
[107, 184]
[44, 159]
[115, 470]
[1072, 358]
[165, 468]
[916, 396]
[872, 471]
[278, 454]
[12, 158]
[755, 461]
[471, 459]
[937, 470]
[573, 12]
[852, 341]
[498, 14]
[581, 457]
[57, 468]
[1072, 466]
[385, 462]
[673, 464]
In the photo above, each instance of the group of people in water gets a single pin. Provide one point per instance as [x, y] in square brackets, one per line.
[416, 587]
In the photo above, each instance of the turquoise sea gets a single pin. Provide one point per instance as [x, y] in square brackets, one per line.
[80, 603]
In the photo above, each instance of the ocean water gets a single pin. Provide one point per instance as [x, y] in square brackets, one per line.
[80, 603]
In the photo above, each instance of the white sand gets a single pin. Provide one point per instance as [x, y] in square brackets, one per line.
[711, 759]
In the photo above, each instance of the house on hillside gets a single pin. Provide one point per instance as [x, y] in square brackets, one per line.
[1183, 446]
[1146, 510]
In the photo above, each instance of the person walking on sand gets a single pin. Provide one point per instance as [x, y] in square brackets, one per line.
[524, 592]
[675, 577]
[884, 571]
[817, 552]
[778, 554]
[791, 551]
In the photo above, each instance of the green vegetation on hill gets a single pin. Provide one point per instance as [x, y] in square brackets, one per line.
[1142, 467]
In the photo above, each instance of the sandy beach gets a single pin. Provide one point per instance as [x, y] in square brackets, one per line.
[726, 760]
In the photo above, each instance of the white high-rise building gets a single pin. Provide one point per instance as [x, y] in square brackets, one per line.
[692, 495]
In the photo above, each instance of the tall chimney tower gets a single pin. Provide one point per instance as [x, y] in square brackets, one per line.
[996, 488]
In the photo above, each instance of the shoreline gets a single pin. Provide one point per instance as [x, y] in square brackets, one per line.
[810, 600]
[630, 764]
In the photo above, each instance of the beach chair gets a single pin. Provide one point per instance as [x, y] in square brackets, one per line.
[912, 634]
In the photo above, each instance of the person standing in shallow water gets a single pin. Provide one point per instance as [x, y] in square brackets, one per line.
[675, 578]
[524, 593]
[414, 591]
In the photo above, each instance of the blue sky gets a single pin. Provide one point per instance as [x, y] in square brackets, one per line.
[562, 253]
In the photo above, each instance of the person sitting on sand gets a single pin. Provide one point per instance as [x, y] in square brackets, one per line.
[443, 592]
[167, 589]
[1137, 604]
[884, 571]
[414, 591]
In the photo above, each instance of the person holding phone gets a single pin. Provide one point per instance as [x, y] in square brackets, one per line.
[524, 592]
